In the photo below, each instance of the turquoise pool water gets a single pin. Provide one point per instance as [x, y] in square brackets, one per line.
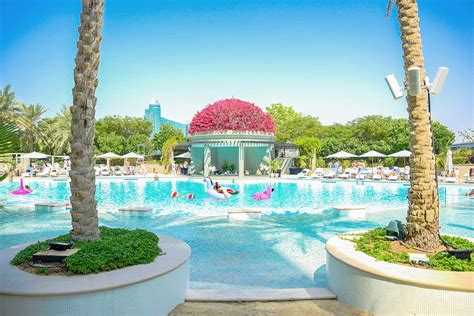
[284, 249]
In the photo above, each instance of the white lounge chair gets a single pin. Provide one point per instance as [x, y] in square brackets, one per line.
[377, 177]
[303, 174]
[318, 173]
[329, 174]
[44, 173]
[360, 176]
[118, 171]
[346, 174]
[104, 171]
[393, 177]
[54, 172]
[453, 179]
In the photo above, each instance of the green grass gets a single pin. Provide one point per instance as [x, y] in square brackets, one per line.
[117, 248]
[374, 244]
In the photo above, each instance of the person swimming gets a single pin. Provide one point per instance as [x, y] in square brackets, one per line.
[27, 188]
[470, 194]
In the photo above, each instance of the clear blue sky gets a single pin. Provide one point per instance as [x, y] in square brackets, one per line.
[325, 58]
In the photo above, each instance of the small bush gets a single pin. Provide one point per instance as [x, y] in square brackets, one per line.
[117, 248]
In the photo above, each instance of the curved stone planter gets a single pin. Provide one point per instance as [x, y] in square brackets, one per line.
[150, 289]
[392, 289]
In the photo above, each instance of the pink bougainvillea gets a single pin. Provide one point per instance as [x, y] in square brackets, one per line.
[231, 114]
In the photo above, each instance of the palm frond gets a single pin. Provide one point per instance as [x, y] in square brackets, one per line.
[8, 136]
[390, 5]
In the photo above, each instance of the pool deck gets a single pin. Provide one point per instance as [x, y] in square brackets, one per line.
[300, 308]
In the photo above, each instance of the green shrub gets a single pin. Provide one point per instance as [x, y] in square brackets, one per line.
[117, 248]
[374, 244]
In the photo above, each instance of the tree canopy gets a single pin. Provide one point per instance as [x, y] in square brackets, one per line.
[166, 132]
[374, 132]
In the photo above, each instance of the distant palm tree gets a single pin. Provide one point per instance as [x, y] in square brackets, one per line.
[8, 104]
[57, 132]
[28, 118]
[423, 212]
[85, 222]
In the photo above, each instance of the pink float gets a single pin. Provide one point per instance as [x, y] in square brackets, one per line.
[21, 190]
[265, 195]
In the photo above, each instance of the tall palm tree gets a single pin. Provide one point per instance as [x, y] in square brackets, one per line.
[28, 118]
[85, 222]
[423, 212]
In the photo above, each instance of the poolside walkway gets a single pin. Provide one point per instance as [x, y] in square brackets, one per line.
[290, 308]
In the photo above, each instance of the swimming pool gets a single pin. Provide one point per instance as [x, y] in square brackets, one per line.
[284, 249]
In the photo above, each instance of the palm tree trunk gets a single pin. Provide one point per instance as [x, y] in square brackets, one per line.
[423, 213]
[85, 222]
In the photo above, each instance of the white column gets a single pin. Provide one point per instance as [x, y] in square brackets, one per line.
[241, 161]
[207, 160]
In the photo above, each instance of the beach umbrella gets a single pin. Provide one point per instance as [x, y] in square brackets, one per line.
[35, 155]
[449, 161]
[132, 155]
[372, 154]
[342, 155]
[108, 156]
[402, 154]
[186, 155]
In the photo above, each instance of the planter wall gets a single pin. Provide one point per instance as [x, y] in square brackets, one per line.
[151, 289]
[390, 289]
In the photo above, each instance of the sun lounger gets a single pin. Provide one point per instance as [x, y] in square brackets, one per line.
[329, 175]
[360, 176]
[377, 177]
[303, 174]
[393, 177]
[44, 172]
[105, 172]
[318, 173]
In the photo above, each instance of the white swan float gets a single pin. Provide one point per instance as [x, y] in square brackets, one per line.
[211, 192]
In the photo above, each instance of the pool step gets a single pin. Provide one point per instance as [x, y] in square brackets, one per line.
[257, 295]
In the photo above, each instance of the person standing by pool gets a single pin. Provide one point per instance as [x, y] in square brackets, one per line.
[185, 167]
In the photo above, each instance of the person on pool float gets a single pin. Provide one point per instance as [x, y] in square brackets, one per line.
[218, 188]
[27, 188]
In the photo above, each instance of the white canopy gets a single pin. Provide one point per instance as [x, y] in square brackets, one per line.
[449, 161]
[342, 154]
[109, 155]
[61, 156]
[373, 153]
[132, 155]
[35, 155]
[401, 154]
[186, 155]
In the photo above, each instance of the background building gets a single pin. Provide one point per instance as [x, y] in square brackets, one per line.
[153, 114]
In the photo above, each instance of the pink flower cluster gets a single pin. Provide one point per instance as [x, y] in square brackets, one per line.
[231, 114]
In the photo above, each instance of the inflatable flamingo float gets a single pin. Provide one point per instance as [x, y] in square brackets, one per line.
[265, 195]
[21, 190]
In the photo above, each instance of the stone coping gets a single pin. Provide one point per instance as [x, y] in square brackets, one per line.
[259, 295]
[343, 250]
[20, 283]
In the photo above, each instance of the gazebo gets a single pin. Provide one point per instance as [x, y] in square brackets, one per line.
[231, 132]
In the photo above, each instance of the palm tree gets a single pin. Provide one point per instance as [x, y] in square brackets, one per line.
[85, 222]
[57, 132]
[7, 99]
[423, 212]
[28, 119]
[8, 104]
